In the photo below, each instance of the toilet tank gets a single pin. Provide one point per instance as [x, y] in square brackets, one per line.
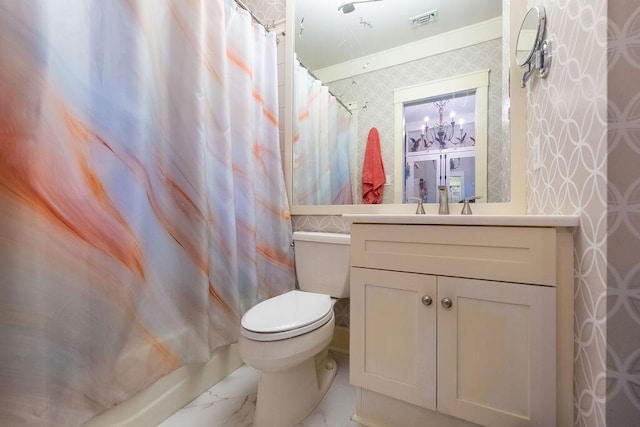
[322, 262]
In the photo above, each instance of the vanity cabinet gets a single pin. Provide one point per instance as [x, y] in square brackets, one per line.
[452, 323]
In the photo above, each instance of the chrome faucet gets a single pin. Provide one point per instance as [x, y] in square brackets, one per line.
[444, 200]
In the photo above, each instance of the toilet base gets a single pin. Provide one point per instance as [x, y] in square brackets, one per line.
[286, 397]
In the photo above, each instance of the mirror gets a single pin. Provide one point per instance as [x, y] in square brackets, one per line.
[532, 51]
[323, 154]
[364, 78]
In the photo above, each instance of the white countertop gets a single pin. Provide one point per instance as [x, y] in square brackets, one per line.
[496, 220]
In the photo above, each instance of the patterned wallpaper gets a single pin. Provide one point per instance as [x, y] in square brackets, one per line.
[623, 199]
[326, 223]
[567, 122]
[268, 11]
[373, 93]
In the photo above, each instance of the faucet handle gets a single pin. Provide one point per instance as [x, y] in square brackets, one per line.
[466, 208]
[420, 209]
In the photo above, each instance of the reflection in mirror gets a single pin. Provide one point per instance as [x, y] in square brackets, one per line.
[343, 50]
[322, 144]
[444, 128]
[440, 152]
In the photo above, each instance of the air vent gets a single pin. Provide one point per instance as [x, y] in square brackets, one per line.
[425, 18]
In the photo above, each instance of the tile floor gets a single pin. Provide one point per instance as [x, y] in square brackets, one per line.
[231, 402]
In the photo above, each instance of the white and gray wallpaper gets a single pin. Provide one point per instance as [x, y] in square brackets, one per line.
[623, 200]
[270, 12]
[567, 123]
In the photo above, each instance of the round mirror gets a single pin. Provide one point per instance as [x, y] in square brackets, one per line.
[529, 35]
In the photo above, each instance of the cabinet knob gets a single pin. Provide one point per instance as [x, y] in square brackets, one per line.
[426, 300]
[446, 302]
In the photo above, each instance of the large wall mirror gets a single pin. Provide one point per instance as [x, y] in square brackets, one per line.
[383, 65]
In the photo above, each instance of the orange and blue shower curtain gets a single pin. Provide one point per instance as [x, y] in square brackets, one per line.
[142, 201]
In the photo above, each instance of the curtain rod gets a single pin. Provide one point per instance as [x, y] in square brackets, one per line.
[266, 27]
[255, 18]
[331, 93]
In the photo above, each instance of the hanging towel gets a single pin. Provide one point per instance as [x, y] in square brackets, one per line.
[373, 177]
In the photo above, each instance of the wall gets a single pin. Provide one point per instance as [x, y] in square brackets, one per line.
[567, 123]
[373, 93]
[623, 199]
[270, 12]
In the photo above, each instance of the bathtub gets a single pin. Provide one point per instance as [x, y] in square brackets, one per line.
[170, 393]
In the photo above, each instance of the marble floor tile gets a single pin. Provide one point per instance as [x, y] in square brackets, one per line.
[232, 402]
[338, 405]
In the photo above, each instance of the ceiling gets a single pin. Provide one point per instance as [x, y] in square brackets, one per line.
[331, 37]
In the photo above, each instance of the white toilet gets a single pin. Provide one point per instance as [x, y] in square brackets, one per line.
[286, 337]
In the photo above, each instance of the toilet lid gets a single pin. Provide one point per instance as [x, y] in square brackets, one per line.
[288, 312]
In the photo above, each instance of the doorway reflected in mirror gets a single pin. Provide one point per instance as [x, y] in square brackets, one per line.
[443, 126]
[440, 137]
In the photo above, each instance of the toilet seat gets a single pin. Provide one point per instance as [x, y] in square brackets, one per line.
[286, 316]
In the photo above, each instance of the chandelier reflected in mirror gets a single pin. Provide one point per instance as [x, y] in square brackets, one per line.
[442, 132]
[440, 123]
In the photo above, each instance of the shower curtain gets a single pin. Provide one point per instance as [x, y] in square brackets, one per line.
[322, 146]
[142, 203]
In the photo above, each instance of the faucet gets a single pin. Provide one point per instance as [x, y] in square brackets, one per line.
[444, 200]
[420, 209]
[466, 208]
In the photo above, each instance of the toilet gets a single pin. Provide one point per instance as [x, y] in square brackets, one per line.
[287, 337]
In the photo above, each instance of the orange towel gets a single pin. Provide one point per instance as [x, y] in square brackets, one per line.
[373, 177]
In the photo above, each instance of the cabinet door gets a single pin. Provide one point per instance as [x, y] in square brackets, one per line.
[496, 352]
[393, 335]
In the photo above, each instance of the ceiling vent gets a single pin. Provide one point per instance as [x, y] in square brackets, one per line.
[424, 18]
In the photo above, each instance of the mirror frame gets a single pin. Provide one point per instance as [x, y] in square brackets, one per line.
[517, 122]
